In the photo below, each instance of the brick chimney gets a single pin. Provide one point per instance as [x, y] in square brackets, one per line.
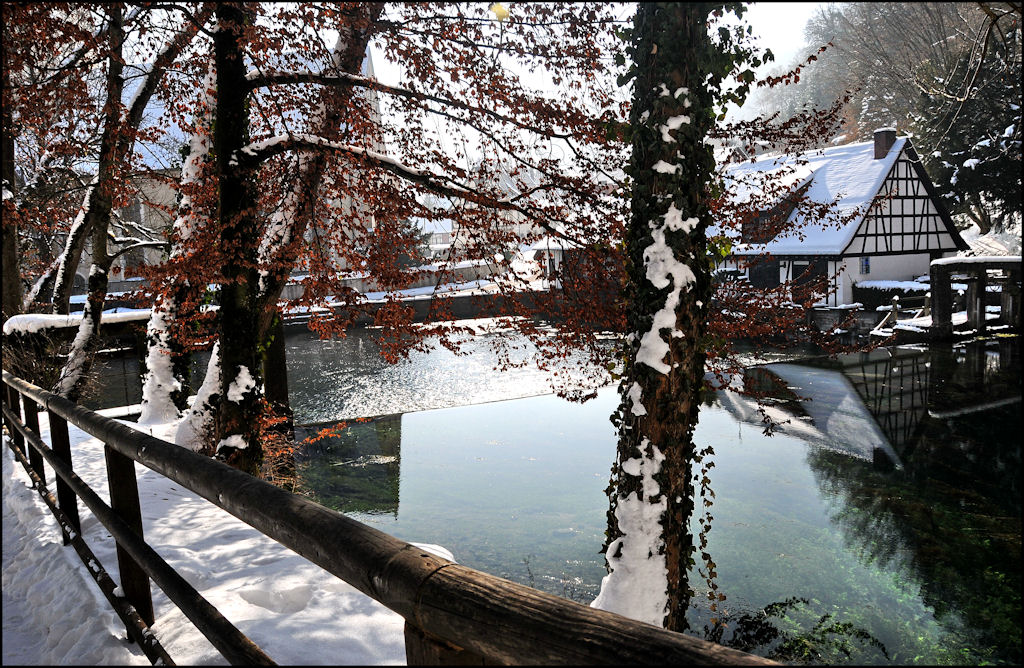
[884, 139]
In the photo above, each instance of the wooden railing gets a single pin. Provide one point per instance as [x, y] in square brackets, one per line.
[975, 272]
[453, 614]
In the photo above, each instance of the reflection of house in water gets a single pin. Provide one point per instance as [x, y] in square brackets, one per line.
[871, 405]
[947, 517]
[866, 405]
[355, 468]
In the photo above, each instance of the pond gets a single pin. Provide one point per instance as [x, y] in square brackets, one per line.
[884, 509]
[883, 512]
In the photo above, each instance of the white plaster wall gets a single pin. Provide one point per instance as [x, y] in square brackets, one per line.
[883, 268]
[892, 267]
[846, 273]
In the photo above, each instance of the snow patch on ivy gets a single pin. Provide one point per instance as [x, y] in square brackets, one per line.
[635, 396]
[636, 587]
[662, 270]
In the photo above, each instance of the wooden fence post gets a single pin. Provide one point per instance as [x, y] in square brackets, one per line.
[423, 649]
[14, 402]
[124, 500]
[32, 422]
[61, 446]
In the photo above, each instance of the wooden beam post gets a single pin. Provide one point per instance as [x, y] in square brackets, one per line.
[124, 500]
[976, 299]
[942, 302]
[1009, 299]
[61, 446]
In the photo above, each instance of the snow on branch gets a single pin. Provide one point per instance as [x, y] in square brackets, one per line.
[138, 244]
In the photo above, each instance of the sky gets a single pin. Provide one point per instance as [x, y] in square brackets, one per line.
[778, 25]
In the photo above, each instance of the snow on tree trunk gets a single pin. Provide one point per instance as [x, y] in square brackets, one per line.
[195, 429]
[161, 384]
[649, 546]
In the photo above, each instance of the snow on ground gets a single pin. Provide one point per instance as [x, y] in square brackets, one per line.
[53, 612]
[1005, 242]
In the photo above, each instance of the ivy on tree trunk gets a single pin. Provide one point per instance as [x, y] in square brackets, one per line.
[237, 430]
[668, 290]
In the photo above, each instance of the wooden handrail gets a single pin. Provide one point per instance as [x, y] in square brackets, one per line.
[497, 620]
[228, 640]
[136, 626]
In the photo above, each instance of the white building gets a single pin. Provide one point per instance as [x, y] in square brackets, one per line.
[888, 223]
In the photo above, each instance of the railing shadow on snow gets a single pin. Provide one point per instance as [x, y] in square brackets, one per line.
[453, 614]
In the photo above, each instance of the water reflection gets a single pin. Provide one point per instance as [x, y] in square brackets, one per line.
[888, 500]
[363, 465]
[917, 453]
[346, 378]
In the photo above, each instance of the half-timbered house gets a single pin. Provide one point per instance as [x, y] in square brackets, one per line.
[885, 221]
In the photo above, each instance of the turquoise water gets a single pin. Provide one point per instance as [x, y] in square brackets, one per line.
[884, 512]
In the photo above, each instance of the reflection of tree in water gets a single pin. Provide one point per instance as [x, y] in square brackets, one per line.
[950, 521]
[357, 468]
[764, 632]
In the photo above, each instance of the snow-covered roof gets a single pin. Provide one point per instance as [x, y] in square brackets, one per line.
[836, 418]
[553, 243]
[848, 175]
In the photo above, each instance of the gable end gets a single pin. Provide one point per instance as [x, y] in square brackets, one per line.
[906, 215]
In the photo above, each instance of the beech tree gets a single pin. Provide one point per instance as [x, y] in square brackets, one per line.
[290, 166]
[118, 126]
[304, 173]
[47, 125]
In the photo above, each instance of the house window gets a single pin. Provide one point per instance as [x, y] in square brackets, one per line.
[865, 265]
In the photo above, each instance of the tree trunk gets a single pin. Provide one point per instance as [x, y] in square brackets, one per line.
[98, 217]
[980, 214]
[281, 253]
[237, 430]
[11, 304]
[668, 288]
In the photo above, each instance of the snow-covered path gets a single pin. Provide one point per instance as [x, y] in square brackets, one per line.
[53, 613]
